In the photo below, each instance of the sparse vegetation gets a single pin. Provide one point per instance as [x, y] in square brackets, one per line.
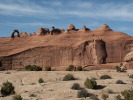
[2, 69]
[70, 68]
[118, 69]
[32, 95]
[41, 80]
[109, 91]
[105, 96]
[119, 82]
[33, 68]
[131, 76]
[7, 89]
[17, 97]
[105, 77]
[79, 68]
[118, 97]
[68, 77]
[75, 86]
[82, 93]
[47, 68]
[127, 94]
[90, 84]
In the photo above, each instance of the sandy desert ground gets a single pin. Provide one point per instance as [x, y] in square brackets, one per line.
[26, 84]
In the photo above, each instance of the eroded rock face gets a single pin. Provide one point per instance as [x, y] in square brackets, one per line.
[89, 52]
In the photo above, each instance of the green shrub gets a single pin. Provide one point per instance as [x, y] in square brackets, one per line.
[119, 82]
[2, 69]
[32, 95]
[90, 84]
[70, 68]
[47, 68]
[41, 80]
[17, 97]
[109, 91]
[118, 97]
[79, 68]
[105, 96]
[7, 89]
[33, 68]
[131, 76]
[68, 77]
[105, 77]
[127, 94]
[118, 69]
[76, 86]
[82, 93]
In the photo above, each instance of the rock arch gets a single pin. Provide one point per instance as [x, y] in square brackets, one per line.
[15, 31]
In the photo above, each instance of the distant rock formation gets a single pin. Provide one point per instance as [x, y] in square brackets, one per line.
[56, 31]
[23, 34]
[99, 46]
[105, 27]
[84, 28]
[15, 31]
[43, 31]
[71, 27]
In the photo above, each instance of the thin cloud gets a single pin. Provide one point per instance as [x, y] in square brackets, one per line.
[58, 9]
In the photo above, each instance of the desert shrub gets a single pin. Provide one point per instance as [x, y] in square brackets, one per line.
[105, 96]
[118, 97]
[68, 77]
[82, 93]
[105, 77]
[90, 84]
[118, 69]
[119, 82]
[17, 97]
[41, 80]
[75, 86]
[109, 91]
[33, 68]
[79, 68]
[47, 68]
[127, 94]
[131, 76]
[32, 95]
[7, 89]
[2, 69]
[70, 68]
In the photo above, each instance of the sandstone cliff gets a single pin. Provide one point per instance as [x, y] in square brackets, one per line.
[63, 48]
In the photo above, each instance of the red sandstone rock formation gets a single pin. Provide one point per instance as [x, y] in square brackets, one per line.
[84, 48]
[15, 31]
[71, 27]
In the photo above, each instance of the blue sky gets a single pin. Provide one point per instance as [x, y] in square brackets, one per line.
[29, 15]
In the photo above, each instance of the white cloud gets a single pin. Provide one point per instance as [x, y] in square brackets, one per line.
[27, 24]
[57, 9]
